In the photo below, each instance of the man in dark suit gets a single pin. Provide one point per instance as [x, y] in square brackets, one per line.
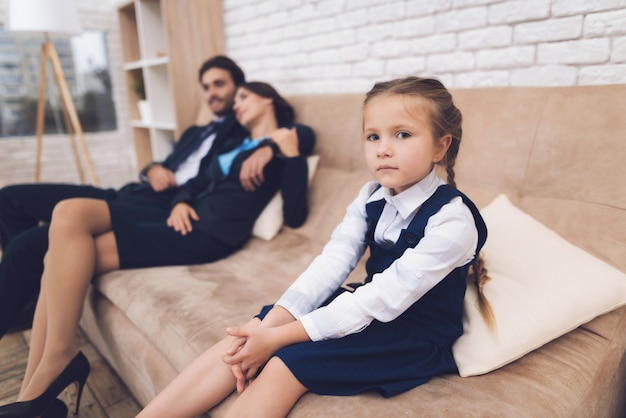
[25, 210]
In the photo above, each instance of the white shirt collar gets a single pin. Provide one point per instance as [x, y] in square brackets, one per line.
[407, 202]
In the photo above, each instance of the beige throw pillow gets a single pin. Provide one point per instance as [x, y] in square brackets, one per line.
[541, 287]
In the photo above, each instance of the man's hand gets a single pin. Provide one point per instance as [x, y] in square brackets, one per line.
[180, 218]
[161, 178]
[251, 174]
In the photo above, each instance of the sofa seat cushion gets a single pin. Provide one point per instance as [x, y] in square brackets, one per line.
[171, 319]
[571, 373]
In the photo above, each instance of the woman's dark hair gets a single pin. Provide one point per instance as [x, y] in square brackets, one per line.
[282, 110]
[225, 63]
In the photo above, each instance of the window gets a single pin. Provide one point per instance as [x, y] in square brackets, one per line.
[85, 64]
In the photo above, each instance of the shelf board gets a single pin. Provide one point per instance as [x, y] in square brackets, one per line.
[167, 126]
[151, 62]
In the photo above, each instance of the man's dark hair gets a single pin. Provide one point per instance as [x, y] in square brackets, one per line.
[225, 63]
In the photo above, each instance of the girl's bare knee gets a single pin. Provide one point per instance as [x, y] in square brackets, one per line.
[276, 376]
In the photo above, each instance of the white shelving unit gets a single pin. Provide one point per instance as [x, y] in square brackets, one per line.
[164, 42]
[146, 56]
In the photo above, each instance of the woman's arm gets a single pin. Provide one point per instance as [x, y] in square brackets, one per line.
[294, 189]
[294, 184]
[189, 190]
[181, 212]
[251, 173]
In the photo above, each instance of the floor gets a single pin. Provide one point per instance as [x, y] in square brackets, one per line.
[104, 396]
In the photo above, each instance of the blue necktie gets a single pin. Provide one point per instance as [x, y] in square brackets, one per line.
[226, 160]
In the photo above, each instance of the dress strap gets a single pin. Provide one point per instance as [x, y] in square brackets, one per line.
[443, 195]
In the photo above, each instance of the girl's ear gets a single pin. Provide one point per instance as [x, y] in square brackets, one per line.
[443, 143]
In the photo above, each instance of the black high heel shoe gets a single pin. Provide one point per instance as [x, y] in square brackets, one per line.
[57, 409]
[75, 372]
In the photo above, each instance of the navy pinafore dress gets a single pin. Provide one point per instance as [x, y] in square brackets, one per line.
[396, 356]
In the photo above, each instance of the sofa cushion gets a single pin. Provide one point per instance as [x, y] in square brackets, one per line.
[541, 287]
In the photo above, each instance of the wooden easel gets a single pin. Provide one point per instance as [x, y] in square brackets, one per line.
[49, 52]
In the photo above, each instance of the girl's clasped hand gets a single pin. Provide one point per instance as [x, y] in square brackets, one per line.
[250, 350]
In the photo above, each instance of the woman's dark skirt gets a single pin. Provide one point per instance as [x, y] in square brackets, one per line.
[144, 239]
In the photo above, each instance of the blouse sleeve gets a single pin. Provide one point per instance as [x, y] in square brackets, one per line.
[295, 184]
[450, 239]
[338, 258]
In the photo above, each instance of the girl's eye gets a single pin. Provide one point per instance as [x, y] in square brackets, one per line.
[403, 135]
[371, 137]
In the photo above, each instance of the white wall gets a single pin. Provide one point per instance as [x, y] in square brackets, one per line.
[321, 46]
[318, 46]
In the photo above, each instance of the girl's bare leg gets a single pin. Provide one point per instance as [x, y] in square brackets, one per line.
[73, 257]
[199, 387]
[272, 394]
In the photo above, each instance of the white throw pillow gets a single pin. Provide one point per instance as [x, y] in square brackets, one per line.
[541, 288]
[270, 220]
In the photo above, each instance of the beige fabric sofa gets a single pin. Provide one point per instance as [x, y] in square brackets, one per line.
[558, 154]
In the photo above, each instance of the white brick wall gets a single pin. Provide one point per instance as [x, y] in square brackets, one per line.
[321, 46]
[112, 153]
[318, 46]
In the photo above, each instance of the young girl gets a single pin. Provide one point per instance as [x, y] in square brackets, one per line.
[89, 236]
[395, 331]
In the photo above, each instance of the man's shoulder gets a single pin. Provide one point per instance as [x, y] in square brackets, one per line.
[192, 129]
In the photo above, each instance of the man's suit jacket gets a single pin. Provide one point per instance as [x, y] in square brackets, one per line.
[229, 132]
[229, 135]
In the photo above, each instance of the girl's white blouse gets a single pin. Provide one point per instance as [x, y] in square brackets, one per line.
[450, 240]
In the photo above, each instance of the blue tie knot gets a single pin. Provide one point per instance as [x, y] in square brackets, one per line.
[226, 160]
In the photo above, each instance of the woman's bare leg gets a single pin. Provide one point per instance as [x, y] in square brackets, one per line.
[272, 394]
[37, 339]
[73, 257]
[199, 387]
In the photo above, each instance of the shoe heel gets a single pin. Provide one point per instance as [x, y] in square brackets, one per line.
[81, 370]
[79, 393]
